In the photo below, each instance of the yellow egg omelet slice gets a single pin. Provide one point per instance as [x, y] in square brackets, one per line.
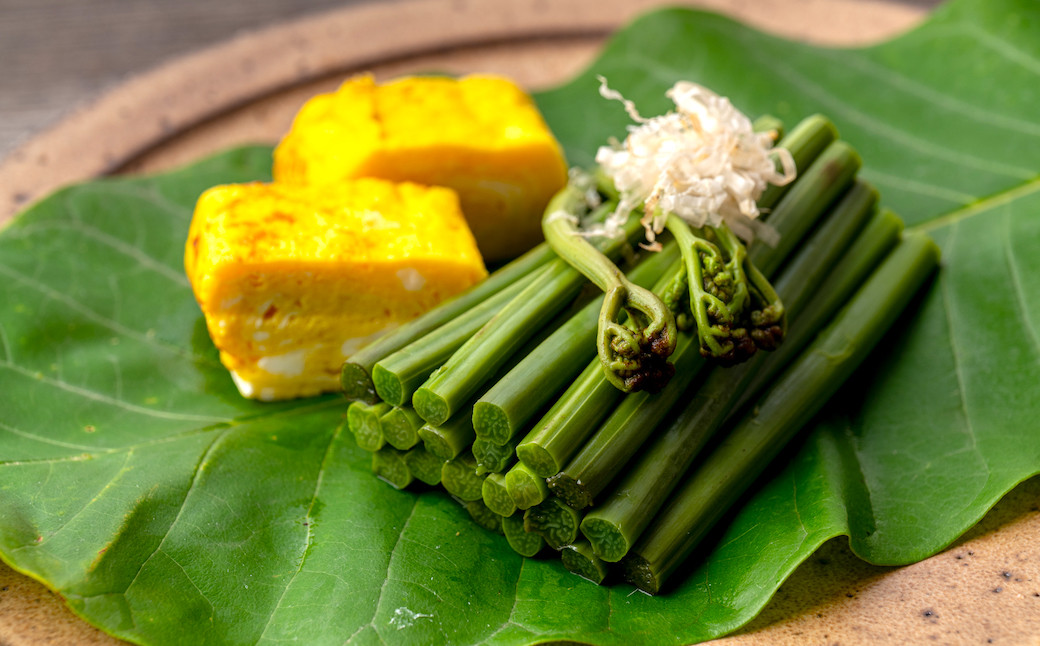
[480, 135]
[294, 279]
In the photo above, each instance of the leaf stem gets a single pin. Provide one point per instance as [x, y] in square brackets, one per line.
[363, 422]
[523, 542]
[511, 402]
[604, 455]
[356, 374]
[399, 374]
[459, 478]
[560, 433]
[633, 356]
[450, 439]
[525, 487]
[555, 521]
[495, 495]
[401, 427]
[805, 142]
[389, 465]
[613, 526]
[816, 189]
[491, 457]
[424, 465]
[579, 559]
[459, 379]
[481, 515]
[610, 448]
[797, 396]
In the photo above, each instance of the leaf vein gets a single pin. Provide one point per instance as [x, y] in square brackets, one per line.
[921, 188]
[954, 352]
[123, 469]
[983, 115]
[308, 539]
[898, 137]
[103, 321]
[43, 440]
[516, 600]
[147, 193]
[844, 483]
[1003, 47]
[103, 451]
[129, 250]
[6, 345]
[212, 608]
[195, 477]
[797, 511]
[390, 563]
[112, 401]
[1016, 283]
[971, 210]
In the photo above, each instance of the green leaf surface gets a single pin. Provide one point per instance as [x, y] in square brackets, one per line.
[166, 509]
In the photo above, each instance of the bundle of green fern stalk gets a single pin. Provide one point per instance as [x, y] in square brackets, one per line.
[616, 429]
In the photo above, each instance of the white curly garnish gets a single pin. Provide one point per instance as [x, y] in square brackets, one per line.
[703, 162]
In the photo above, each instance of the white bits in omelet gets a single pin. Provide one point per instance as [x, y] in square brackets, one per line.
[244, 386]
[290, 364]
[247, 389]
[294, 279]
[411, 279]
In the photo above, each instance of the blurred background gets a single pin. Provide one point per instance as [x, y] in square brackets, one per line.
[59, 54]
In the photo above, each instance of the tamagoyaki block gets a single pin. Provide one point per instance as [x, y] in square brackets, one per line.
[294, 279]
[480, 135]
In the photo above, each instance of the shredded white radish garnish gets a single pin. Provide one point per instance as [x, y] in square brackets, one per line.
[702, 162]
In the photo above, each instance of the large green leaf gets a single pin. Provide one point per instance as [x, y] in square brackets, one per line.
[166, 509]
